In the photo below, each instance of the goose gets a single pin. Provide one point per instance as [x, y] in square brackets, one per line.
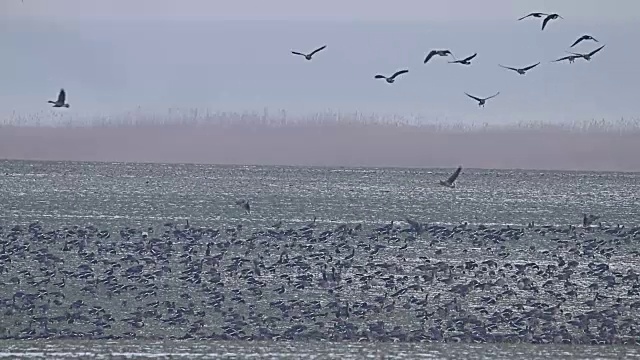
[521, 71]
[482, 101]
[589, 55]
[550, 17]
[392, 78]
[310, 55]
[61, 100]
[465, 61]
[433, 53]
[534, 14]
[583, 38]
[451, 181]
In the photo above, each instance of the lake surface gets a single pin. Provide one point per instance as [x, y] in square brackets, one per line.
[98, 260]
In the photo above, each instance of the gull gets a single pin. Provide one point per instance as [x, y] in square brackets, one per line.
[534, 14]
[451, 181]
[61, 100]
[521, 71]
[465, 61]
[583, 38]
[309, 56]
[392, 78]
[571, 58]
[433, 53]
[589, 55]
[550, 17]
[482, 101]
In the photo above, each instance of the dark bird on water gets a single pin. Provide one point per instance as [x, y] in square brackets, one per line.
[451, 181]
[392, 78]
[534, 14]
[433, 53]
[583, 38]
[310, 55]
[465, 61]
[482, 101]
[589, 55]
[550, 17]
[245, 205]
[521, 71]
[62, 96]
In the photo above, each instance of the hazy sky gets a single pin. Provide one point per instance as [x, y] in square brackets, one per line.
[113, 56]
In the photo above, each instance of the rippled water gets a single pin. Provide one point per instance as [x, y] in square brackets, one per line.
[148, 194]
[306, 350]
[117, 195]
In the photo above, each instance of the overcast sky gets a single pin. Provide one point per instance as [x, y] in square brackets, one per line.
[114, 56]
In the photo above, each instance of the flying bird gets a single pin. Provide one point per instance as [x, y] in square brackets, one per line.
[583, 38]
[571, 58]
[587, 220]
[392, 78]
[521, 71]
[451, 181]
[589, 55]
[433, 53]
[534, 14]
[482, 101]
[310, 55]
[550, 17]
[61, 100]
[245, 205]
[465, 61]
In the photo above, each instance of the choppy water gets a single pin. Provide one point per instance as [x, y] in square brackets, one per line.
[114, 196]
[145, 194]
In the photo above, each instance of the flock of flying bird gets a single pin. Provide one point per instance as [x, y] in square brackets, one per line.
[467, 61]
[61, 101]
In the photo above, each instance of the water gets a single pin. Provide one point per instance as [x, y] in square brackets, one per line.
[148, 194]
[114, 196]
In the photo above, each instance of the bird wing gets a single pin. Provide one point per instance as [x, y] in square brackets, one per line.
[455, 175]
[470, 57]
[545, 21]
[492, 96]
[297, 53]
[562, 58]
[577, 41]
[380, 77]
[430, 55]
[530, 67]
[506, 67]
[62, 96]
[473, 97]
[400, 72]
[526, 16]
[318, 49]
[596, 50]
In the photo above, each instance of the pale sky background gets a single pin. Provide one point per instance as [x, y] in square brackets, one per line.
[114, 56]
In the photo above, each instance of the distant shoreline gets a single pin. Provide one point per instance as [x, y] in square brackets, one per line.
[329, 144]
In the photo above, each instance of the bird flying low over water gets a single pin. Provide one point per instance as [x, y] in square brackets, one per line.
[451, 181]
[245, 205]
[61, 100]
[548, 18]
[433, 53]
[392, 78]
[465, 61]
[520, 71]
[482, 101]
[310, 55]
[583, 38]
[589, 55]
[587, 220]
[534, 14]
